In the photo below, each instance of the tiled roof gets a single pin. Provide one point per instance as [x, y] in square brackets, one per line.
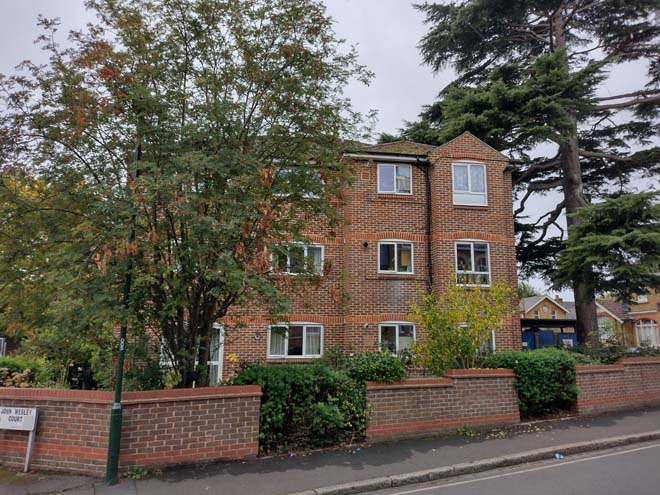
[398, 147]
[614, 307]
[527, 303]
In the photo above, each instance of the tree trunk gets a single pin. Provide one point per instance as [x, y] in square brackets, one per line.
[585, 303]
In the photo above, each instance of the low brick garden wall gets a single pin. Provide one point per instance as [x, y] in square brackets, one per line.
[421, 405]
[628, 384]
[160, 428]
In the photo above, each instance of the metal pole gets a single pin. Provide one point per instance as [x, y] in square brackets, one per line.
[114, 436]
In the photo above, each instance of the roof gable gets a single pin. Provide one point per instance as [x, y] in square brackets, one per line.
[467, 146]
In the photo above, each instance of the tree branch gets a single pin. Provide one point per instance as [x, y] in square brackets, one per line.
[607, 156]
[646, 92]
[628, 104]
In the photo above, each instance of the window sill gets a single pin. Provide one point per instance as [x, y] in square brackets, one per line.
[288, 359]
[394, 276]
[469, 207]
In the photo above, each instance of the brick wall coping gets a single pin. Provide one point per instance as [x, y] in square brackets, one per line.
[639, 360]
[584, 369]
[479, 373]
[412, 383]
[95, 396]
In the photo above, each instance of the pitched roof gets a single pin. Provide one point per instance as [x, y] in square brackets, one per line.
[613, 307]
[397, 147]
[528, 303]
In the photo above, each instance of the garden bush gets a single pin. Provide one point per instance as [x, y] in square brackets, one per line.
[306, 405]
[23, 371]
[545, 378]
[377, 367]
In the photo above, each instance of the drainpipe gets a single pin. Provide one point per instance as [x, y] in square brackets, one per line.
[429, 259]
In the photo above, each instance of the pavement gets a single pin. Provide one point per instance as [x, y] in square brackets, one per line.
[283, 475]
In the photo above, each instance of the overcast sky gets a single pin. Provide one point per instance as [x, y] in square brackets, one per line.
[386, 33]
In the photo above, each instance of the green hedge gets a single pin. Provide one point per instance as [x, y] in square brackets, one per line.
[545, 378]
[306, 405]
[12, 366]
[376, 367]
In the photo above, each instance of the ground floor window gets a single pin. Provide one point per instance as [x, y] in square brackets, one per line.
[216, 354]
[396, 337]
[647, 333]
[295, 340]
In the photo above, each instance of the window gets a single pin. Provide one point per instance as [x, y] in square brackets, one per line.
[469, 183]
[295, 340]
[395, 257]
[216, 354]
[394, 179]
[472, 263]
[642, 298]
[537, 315]
[554, 314]
[396, 337]
[289, 181]
[296, 259]
[647, 333]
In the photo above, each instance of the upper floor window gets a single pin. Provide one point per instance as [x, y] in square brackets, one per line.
[396, 337]
[394, 179]
[642, 298]
[297, 259]
[554, 314]
[295, 340]
[537, 314]
[304, 181]
[395, 257]
[469, 183]
[472, 263]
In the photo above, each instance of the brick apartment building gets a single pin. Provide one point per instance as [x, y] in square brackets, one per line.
[413, 216]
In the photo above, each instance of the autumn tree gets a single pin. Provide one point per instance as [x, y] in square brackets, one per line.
[210, 129]
[531, 79]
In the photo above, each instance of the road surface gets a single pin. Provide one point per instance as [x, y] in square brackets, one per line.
[633, 469]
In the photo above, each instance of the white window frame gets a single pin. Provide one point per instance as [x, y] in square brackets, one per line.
[642, 298]
[395, 165]
[397, 324]
[396, 242]
[305, 195]
[647, 324]
[472, 242]
[221, 345]
[273, 264]
[304, 324]
[469, 164]
[553, 314]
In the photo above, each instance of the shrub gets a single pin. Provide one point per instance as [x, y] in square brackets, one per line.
[23, 371]
[458, 325]
[376, 366]
[306, 405]
[545, 378]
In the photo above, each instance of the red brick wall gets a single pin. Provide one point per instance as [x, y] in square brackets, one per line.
[631, 383]
[352, 298]
[160, 427]
[463, 397]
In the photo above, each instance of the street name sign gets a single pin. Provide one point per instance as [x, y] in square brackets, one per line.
[22, 419]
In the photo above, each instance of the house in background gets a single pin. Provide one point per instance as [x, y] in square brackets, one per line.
[643, 316]
[553, 321]
[415, 217]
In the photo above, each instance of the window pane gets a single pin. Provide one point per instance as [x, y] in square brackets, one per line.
[469, 198]
[281, 261]
[404, 253]
[403, 179]
[386, 259]
[463, 257]
[214, 348]
[481, 257]
[406, 337]
[295, 340]
[296, 259]
[388, 337]
[478, 181]
[461, 178]
[214, 374]
[313, 341]
[315, 258]
[277, 341]
[386, 178]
